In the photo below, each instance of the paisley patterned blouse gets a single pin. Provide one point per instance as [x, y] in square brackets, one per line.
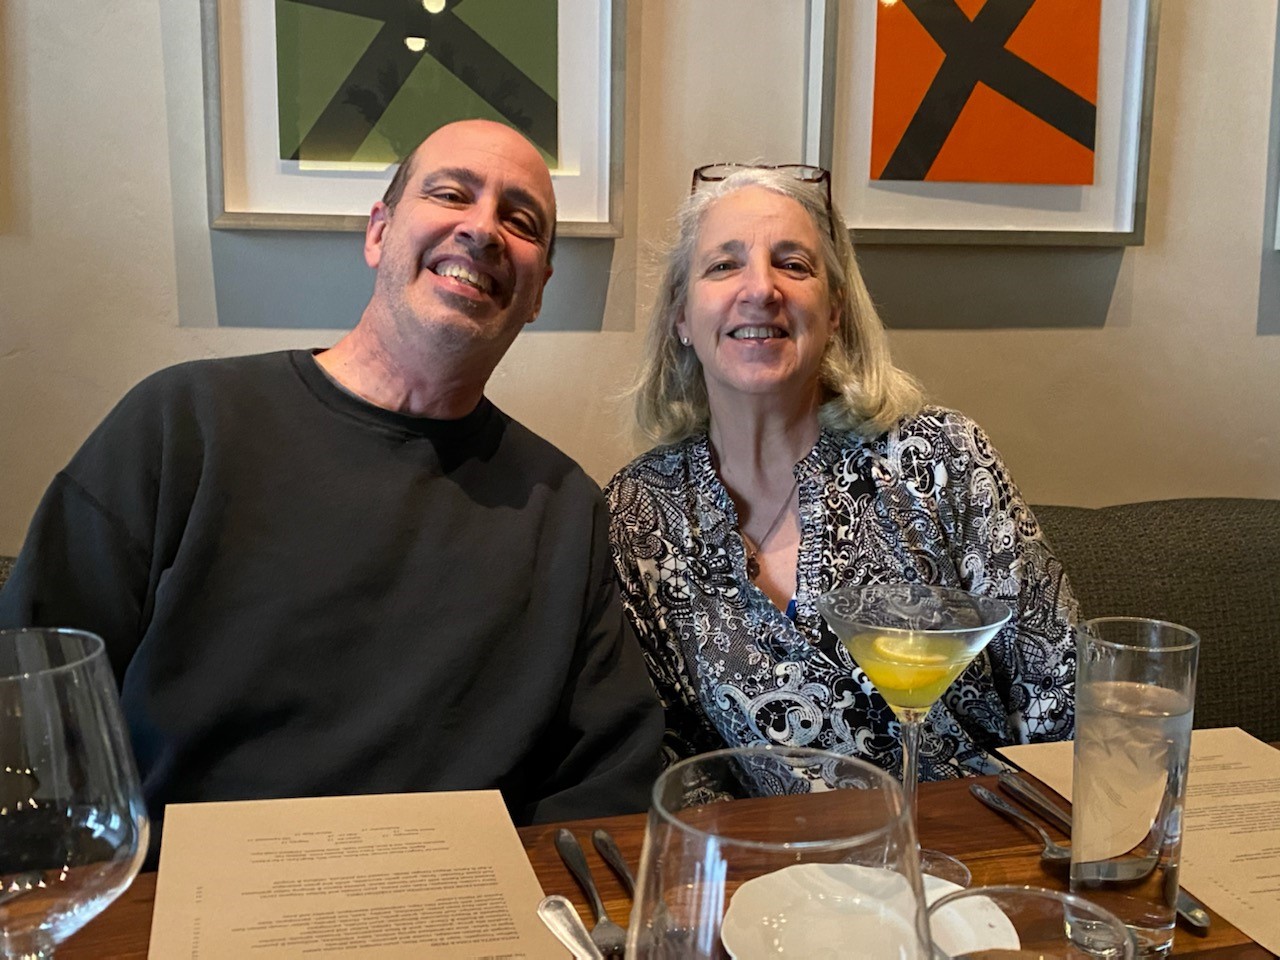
[928, 501]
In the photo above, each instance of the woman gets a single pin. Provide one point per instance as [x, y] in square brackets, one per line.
[796, 458]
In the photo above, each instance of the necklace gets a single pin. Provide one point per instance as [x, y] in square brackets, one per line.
[752, 549]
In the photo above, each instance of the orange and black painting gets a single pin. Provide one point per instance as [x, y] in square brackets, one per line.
[986, 91]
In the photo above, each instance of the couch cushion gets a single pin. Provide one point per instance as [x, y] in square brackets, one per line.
[1209, 564]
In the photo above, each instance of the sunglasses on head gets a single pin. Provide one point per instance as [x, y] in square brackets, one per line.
[805, 173]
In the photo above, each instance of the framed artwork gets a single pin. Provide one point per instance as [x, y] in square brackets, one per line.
[310, 104]
[984, 121]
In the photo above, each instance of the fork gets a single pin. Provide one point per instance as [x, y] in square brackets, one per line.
[607, 847]
[608, 937]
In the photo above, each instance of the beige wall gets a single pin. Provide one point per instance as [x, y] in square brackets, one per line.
[1177, 395]
[101, 202]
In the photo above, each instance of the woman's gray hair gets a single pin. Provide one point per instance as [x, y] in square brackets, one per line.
[863, 391]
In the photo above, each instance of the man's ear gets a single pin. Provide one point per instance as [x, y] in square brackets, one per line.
[379, 218]
[537, 304]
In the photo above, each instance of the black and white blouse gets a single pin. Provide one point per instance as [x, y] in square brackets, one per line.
[928, 501]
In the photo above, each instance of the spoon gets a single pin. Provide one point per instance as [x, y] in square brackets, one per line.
[1052, 852]
[563, 920]
[1190, 909]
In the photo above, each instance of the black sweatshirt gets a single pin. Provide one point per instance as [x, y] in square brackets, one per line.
[302, 594]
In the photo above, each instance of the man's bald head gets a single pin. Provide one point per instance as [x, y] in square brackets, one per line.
[465, 129]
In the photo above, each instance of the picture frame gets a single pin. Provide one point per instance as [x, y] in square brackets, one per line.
[251, 188]
[1273, 154]
[1109, 212]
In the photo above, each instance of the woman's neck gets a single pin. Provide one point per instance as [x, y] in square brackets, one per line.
[755, 446]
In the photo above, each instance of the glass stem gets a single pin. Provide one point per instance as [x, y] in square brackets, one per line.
[910, 764]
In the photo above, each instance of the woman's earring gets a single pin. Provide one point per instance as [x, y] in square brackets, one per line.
[685, 341]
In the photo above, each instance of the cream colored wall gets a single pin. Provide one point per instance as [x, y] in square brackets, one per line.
[1175, 396]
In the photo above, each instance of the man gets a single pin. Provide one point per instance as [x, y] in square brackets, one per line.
[348, 572]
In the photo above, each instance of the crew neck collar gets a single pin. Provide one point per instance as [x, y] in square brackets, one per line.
[338, 398]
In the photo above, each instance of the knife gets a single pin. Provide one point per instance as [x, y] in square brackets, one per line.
[1189, 908]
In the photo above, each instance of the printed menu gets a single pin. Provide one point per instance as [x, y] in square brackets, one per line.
[1231, 840]
[388, 876]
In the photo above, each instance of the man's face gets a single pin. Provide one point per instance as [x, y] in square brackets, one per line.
[464, 253]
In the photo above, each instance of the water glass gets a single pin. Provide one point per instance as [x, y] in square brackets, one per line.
[759, 851]
[1135, 688]
[73, 828]
[1025, 923]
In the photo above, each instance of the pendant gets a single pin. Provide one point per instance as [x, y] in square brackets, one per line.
[753, 567]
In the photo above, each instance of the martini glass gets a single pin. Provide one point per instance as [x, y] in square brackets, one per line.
[912, 640]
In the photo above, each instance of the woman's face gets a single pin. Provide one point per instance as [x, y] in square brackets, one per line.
[759, 311]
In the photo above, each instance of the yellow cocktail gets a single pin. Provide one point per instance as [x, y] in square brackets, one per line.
[912, 640]
[912, 670]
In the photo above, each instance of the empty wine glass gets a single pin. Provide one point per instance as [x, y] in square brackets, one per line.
[1025, 923]
[73, 827]
[912, 640]
[731, 868]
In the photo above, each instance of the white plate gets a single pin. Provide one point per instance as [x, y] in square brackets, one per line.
[971, 925]
[825, 911]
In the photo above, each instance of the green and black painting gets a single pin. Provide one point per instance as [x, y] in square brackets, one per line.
[365, 80]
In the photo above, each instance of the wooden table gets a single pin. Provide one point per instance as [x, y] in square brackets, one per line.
[995, 850]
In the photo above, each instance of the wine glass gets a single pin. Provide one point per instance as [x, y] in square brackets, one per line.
[1012, 923]
[912, 640]
[731, 868]
[73, 827]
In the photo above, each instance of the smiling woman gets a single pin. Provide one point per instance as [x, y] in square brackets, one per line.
[796, 459]
[760, 309]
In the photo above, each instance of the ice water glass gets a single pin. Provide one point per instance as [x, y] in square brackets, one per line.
[758, 851]
[1135, 688]
[1025, 923]
[73, 827]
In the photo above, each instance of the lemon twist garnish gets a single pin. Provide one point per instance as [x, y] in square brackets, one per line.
[899, 666]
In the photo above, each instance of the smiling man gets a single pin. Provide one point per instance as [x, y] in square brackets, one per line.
[346, 571]
[462, 246]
